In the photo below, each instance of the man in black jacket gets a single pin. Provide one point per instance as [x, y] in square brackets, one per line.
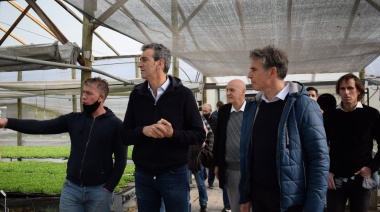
[351, 129]
[95, 137]
[161, 121]
[227, 141]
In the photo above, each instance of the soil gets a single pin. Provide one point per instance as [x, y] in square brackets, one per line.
[26, 204]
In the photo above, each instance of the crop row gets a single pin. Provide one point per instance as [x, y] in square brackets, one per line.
[28, 152]
[42, 177]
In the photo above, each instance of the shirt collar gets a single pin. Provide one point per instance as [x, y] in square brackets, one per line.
[163, 86]
[160, 90]
[241, 108]
[358, 105]
[281, 95]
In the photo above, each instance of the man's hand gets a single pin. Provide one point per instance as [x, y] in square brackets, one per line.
[167, 129]
[365, 172]
[246, 207]
[3, 122]
[216, 170]
[331, 183]
[154, 131]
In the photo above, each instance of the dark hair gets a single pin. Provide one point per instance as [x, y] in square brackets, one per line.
[160, 52]
[358, 84]
[271, 56]
[326, 101]
[219, 104]
[312, 89]
[100, 84]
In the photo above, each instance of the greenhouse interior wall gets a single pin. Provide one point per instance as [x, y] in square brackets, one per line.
[51, 106]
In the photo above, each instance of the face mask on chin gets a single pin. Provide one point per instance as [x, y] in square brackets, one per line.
[89, 109]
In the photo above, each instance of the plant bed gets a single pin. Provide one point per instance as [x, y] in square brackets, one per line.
[37, 178]
[28, 152]
[40, 204]
[15, 152]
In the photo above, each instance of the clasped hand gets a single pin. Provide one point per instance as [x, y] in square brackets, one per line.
[162, 129]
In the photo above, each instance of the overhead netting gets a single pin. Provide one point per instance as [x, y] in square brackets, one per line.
[215, 36]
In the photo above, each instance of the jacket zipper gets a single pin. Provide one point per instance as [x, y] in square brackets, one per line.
[85, 151]
[287, 136]
[287, 146]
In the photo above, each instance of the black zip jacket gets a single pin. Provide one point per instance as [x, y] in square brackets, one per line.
[219, 150]
[178, 106]
[93, 141]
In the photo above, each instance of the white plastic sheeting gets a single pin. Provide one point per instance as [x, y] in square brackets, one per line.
[215, 36]
[68, 87]
[66, 53]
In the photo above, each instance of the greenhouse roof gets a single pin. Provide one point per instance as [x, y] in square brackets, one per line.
[215, 36]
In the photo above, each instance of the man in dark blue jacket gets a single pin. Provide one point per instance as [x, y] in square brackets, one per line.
[284, 158]
[161, 121]
[95, 137]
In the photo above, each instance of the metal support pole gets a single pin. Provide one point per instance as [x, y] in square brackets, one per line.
[62, 65]
[204, 96]
[5, 202]
[19, 110]
[137, 72]
[175, 67]
[74, 97]
[87, 35]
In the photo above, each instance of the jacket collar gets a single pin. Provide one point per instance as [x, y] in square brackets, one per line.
[296, 89]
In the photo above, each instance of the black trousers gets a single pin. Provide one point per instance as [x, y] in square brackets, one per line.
[351, 190]
[266, 201]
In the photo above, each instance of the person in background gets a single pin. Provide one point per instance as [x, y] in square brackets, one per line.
[211, 120]
[227, 141]
[206, 109]
[92, 174]
[326, 102]
[196, 167]
[312, 92]
[218, 105]
[161, 121]
[284, 159]
[226, 202]
[351, 129]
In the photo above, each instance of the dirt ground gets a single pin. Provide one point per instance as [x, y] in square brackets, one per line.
[37, 204]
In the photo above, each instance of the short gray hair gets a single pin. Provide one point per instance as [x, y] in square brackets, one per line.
[271, 56]
[160, 52]
[208, 105]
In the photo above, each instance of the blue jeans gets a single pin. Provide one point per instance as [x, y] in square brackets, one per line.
[202, 191]
[226, 202]
[162, 208]
[75, 198]
[171, 186]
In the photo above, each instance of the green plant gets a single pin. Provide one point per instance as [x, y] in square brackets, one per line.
[29, 152]
[42, 177]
